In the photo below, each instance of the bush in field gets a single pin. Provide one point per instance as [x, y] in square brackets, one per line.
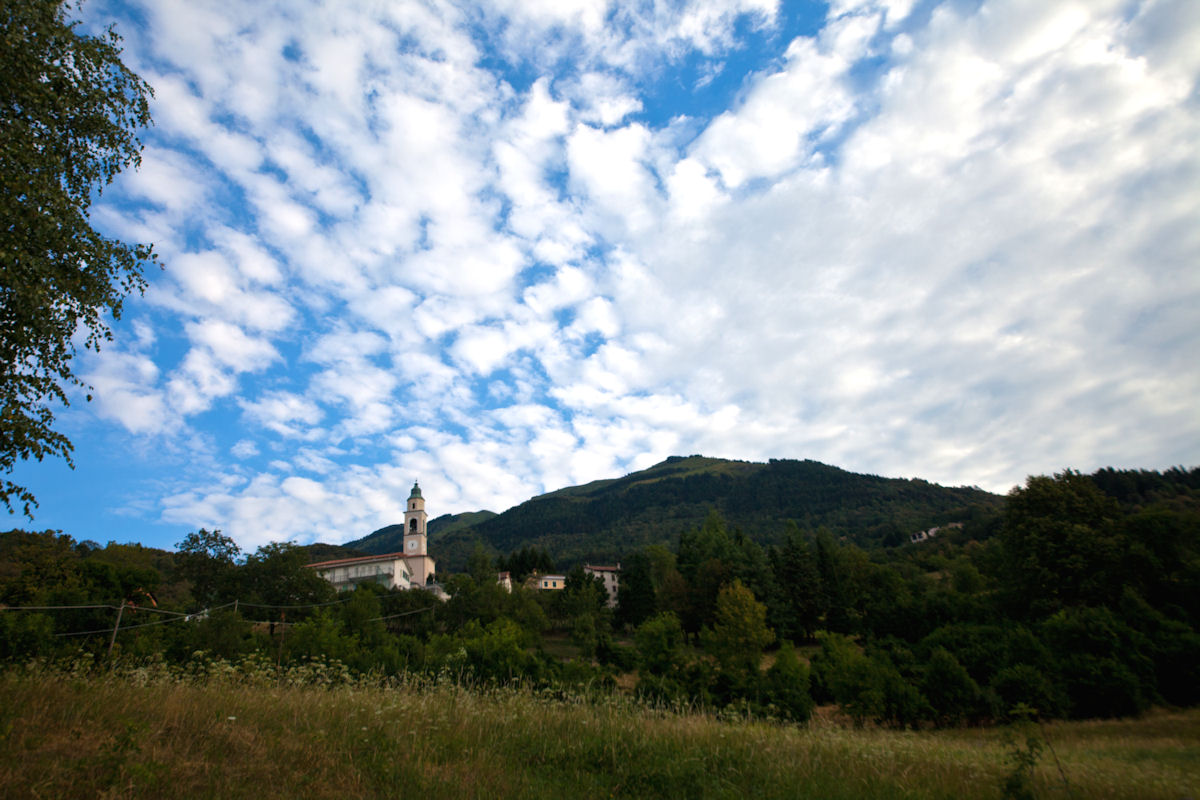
[497, 653]
[1024, 686]
[786, 686]
[952, 694]
[222, 633]
[659, 642]
[1172, 645]
[25, 635]
[321, 636]
[866, 687]
[1100, 663]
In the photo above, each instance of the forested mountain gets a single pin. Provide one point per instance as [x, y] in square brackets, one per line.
[390, 538]
[602, 520]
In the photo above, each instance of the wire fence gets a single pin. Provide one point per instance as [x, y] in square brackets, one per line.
[183, 616]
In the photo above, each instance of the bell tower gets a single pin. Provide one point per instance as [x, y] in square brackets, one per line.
[414, 523]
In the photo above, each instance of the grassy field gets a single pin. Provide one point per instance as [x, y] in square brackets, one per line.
[231, 734]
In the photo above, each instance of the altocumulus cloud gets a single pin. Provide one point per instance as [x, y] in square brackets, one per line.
[504, 247]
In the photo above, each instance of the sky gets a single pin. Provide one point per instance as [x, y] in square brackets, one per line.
[510, 246]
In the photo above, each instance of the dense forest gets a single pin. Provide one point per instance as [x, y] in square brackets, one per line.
[600, 521]
[1077, 596]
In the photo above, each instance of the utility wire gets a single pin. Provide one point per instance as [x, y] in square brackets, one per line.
[402, 614]
[179, 615]
[130, 608]
[303, 605]
[122, 628]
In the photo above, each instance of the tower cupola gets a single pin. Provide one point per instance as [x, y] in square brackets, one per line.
[414, 523]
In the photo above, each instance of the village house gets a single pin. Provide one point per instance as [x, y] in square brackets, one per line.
[611, 577]
[924, 536]
[551, 581]
[411, 568]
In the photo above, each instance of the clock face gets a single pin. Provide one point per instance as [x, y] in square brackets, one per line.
[412, 545]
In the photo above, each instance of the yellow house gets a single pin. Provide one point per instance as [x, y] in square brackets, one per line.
[552, 581]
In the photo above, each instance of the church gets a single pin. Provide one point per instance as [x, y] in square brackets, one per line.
[411, 568]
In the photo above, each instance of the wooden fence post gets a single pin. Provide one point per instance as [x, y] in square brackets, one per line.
[116, 627]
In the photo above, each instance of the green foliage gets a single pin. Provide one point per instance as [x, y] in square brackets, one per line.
[952, 694]
[866, 687]
[786, 686]
[738, 634]
[497, 653]
[526, 561]
[70, 112]
[480, 566]
[1024, 686]
[1062, 545]
[207, 559]
[1024, 749]
[798, 598]
[221, 634]
[660, 642]
[636, 593]
[276, 575]
[1100, 662]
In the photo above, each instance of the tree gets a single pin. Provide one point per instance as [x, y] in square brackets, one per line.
[738, 635]
[952, 694]
[70, 112]
[797, 608]
[1062, 545]
[277, 574]
[659, 643]
[206, 558]
[787, 685]
[635, 595]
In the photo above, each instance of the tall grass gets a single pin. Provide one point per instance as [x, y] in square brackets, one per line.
[229, 732]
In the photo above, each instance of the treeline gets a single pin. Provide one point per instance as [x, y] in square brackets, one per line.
[1067, 602]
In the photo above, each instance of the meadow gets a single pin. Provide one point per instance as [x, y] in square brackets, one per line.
[314, 731]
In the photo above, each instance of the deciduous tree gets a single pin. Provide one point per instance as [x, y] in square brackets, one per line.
[70, 113]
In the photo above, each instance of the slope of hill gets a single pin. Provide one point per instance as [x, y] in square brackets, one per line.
[603, 519]
[390, 538]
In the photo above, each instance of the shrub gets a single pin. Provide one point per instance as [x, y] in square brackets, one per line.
[787, 681]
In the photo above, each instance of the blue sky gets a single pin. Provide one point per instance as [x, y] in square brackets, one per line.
[505, 247]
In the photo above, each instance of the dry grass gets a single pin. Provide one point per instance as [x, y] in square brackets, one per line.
[237, 734]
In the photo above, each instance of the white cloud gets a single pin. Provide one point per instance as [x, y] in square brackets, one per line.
[124, 389]
[609, 167]
[231, 346]
[244, 449]
[284, 413]
[955, 244]
[782, 118]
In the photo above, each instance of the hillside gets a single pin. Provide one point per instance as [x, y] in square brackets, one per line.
[390, 538]
[604, 519]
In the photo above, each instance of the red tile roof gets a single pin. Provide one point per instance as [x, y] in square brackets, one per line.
[337, 562]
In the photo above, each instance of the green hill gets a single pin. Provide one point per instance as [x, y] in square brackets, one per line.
[390, 538]
[601, 520]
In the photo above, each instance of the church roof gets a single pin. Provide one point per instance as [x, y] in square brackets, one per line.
[341, 562]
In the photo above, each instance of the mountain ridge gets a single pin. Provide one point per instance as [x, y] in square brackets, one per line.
[603, 519]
